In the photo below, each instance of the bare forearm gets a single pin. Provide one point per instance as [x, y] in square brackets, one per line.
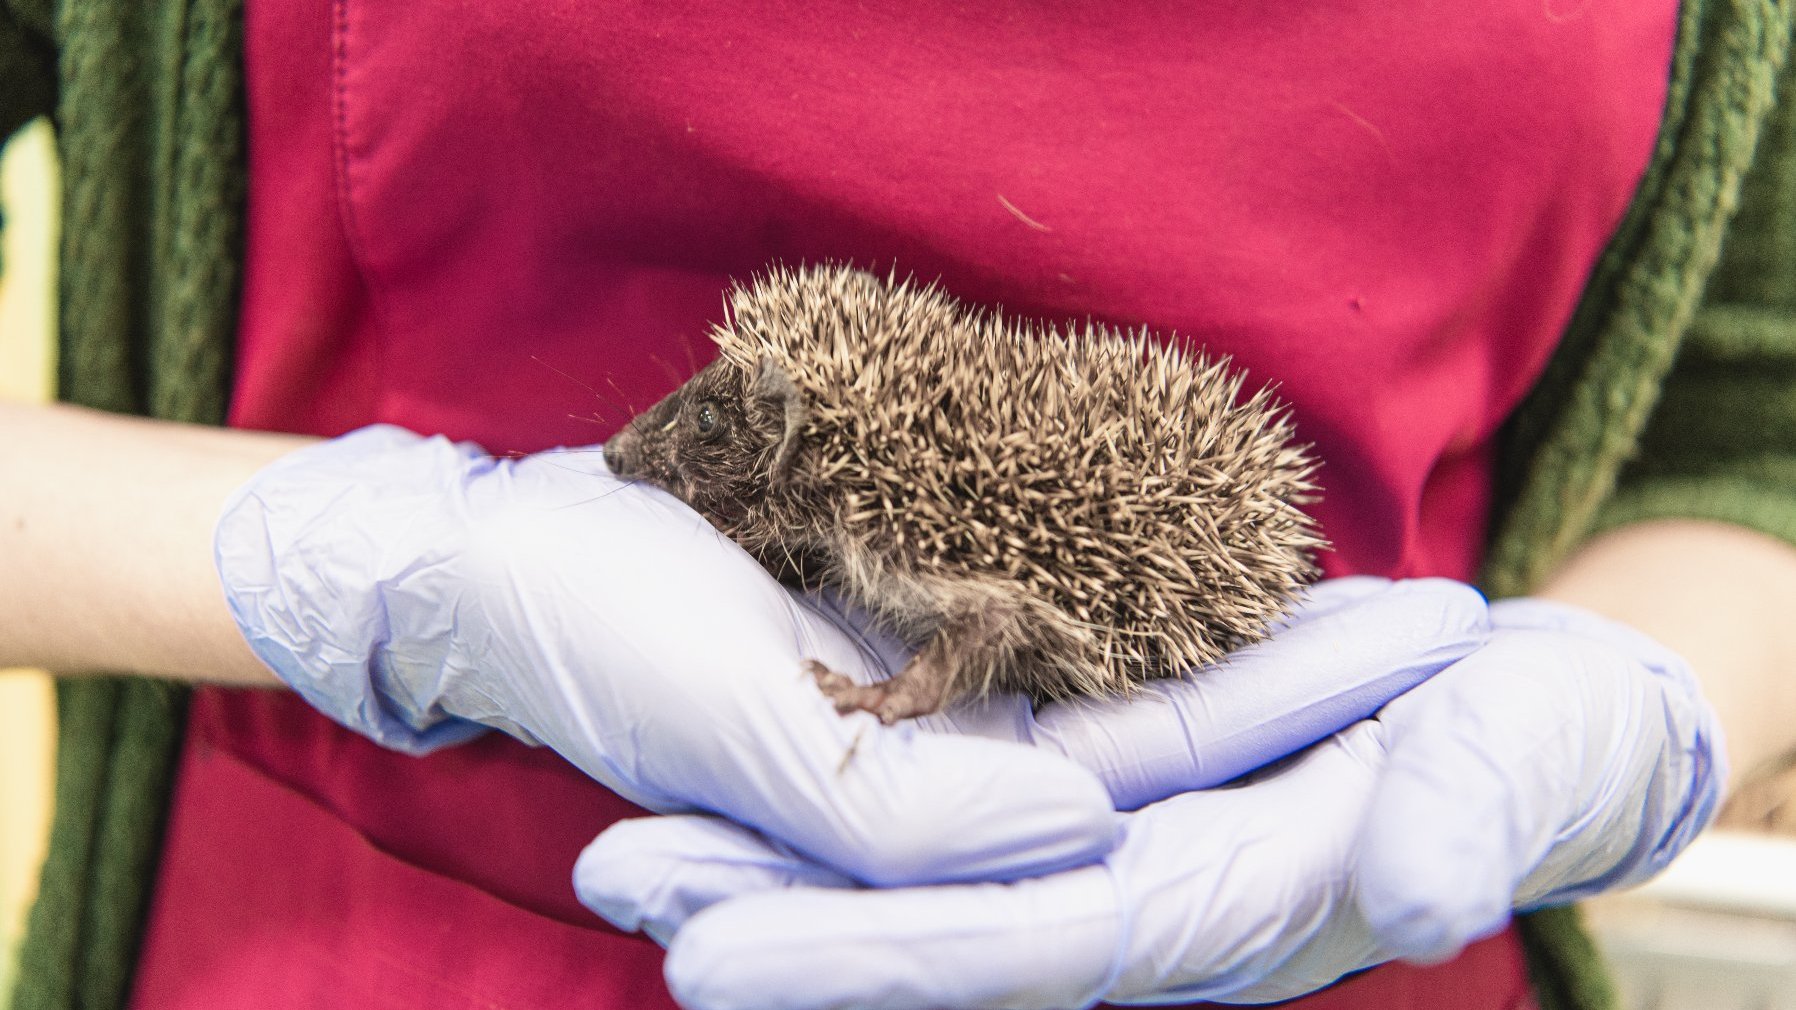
[1724, 598]
[106, 543]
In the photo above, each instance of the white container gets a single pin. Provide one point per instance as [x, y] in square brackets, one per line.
[1715, 931]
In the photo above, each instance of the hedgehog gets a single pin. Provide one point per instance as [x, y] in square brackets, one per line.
[1063, 511]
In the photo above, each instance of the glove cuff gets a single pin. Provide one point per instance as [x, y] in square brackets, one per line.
[310, 554]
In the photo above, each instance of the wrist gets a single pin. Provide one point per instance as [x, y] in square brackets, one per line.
[325, 556]
[105, 532]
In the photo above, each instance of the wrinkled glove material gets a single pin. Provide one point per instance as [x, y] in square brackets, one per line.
[1553, 754]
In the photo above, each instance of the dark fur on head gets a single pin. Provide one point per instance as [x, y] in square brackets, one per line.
[723, 442]
[1060, 513]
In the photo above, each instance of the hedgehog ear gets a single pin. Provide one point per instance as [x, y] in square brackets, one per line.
[775, 388]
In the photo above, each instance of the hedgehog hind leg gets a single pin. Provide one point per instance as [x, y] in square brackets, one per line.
[918, 689]
[974, 648]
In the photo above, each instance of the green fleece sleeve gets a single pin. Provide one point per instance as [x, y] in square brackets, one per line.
[27, 64]
[1721, 443]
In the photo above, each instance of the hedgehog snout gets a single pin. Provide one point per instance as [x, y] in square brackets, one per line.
[617, 455]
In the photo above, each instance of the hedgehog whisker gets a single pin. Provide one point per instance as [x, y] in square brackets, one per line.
[672, 372]
[583, 385]
[601, 496]
[628, 407]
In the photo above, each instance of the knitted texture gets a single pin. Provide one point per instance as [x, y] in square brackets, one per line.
[149, 117]
[1564, 450]
[1722, 443]
[1563, 962]
[148, 104]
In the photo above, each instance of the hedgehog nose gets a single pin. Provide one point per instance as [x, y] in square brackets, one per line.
[617, 458]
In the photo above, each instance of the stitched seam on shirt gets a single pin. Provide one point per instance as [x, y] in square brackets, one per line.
[345, 187]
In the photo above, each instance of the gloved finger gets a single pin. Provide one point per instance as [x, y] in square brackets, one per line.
[1692, 766]
[413, 588]
[1047, 942]
[1536, 753]
[651, 874]
[1233, 894]
[687, 693]
[1359, 644]
[1329, 595]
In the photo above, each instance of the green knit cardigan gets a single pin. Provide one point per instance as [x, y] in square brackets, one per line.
[1673, 392]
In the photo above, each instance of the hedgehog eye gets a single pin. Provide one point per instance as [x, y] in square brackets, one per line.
[706, 418]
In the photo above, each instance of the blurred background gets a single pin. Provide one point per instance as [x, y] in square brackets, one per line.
[28, 196]
[1716, 932]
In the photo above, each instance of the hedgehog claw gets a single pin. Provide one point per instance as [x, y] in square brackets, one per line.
[843, 692]
[832, 683]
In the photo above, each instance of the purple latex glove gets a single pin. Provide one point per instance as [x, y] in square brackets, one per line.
[418, 590]
[1564, 754]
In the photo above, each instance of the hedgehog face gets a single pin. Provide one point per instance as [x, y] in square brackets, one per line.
[719, 443]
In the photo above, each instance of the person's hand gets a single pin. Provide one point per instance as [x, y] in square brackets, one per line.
[417, 590]
[1564, 755]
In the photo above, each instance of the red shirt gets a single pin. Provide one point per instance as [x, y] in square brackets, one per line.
[469, 220]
